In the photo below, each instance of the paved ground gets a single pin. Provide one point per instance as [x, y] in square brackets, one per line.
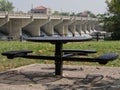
[41, 77]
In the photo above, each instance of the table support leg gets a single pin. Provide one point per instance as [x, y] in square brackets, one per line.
[58, 59]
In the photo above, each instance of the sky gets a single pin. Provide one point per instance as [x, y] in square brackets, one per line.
[95, 6]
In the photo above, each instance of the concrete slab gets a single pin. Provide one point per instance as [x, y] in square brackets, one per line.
[42, 77]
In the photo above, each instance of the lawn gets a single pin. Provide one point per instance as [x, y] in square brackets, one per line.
[48, 49]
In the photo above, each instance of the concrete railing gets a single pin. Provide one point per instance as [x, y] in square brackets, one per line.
[34, 15]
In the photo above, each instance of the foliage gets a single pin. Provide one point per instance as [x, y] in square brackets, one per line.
[86, 14]
[81, 14]
[106, 21]
[61, 13]
[5, 5]
[111, 19]
[64, 13]
[56, 13]
[72, 14]
[114, 6]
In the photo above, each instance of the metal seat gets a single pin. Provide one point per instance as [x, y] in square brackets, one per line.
[17, 53]
[103, 59]
[74, 50]
[78, 52]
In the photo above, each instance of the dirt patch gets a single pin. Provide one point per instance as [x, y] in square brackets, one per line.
[42, 77]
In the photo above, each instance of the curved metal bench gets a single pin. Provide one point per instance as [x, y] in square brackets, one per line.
[17, 53]
[74, 50]
[103, 59]
[78, 52]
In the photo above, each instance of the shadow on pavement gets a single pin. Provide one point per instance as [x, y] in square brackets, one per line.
[52, 82]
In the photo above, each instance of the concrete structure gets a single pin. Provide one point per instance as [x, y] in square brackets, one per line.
[27, 24]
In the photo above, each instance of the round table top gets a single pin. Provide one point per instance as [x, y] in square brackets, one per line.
[58, 39]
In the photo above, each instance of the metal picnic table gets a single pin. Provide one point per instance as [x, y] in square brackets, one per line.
[59, 57]
[58, 41]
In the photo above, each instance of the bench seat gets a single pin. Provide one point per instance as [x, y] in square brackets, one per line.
[78, 52]
[17, 53]
[75, 50]
[103, 59]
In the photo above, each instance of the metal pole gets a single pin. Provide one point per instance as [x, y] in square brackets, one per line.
[58, 59]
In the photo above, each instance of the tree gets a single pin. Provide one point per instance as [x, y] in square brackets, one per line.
[72, 14]
[106, 21]
[113, 6]
[111, 19]
[5, 5]
[61, 13]
[65, 13]
[86, 14]
[114, 10]
[56, 13]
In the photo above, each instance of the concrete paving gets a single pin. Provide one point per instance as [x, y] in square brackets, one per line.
[41, 77]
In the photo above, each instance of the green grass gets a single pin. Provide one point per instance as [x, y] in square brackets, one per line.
[48, 49]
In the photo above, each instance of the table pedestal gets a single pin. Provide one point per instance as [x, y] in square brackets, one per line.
[58, 59]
